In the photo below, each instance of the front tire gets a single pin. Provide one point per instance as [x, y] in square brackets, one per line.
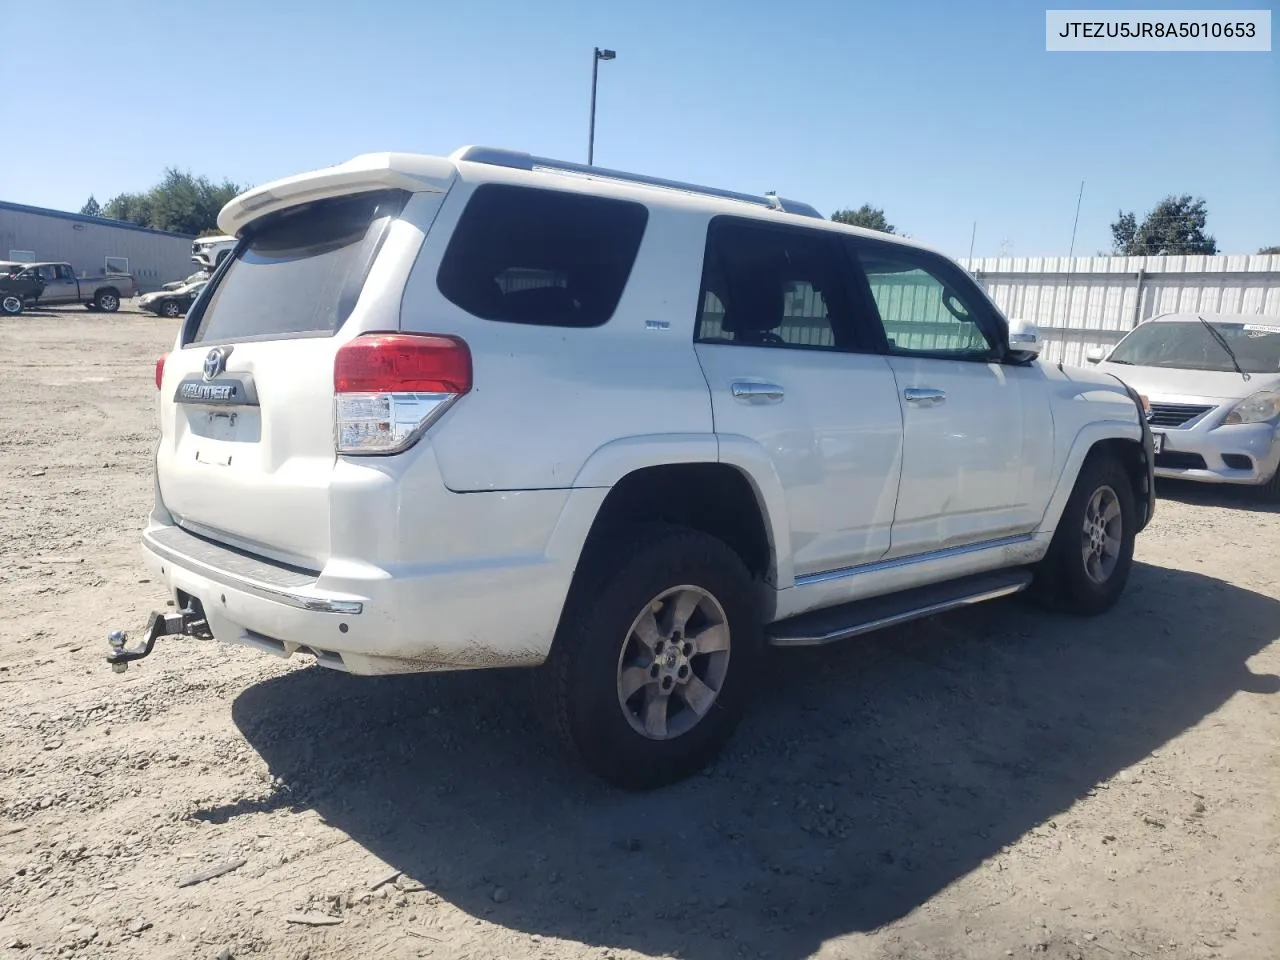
[1091, 553]
[1271, 489]
[655, 656]
[11, 305]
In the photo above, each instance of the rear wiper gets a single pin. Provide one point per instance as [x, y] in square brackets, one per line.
[1222, 342]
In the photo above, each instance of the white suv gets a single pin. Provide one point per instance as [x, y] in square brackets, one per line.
[209, 252]
[493, 410]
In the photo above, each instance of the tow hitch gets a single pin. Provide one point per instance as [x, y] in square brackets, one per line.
[187, 622]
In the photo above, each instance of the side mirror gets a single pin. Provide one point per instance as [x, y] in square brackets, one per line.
[1095, 355]
[1024, 340]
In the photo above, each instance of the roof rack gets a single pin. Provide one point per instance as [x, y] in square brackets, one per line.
[518, 160]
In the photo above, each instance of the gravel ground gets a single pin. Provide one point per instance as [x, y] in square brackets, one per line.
[1001, 782]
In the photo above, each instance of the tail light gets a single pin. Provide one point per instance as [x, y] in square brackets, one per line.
[160, 370]
[388, 388]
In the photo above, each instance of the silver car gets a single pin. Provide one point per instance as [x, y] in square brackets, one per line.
[1213, 385]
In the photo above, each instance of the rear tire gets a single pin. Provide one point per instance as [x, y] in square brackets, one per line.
[11, 305]
[107, 300]
[171, 309]
[1091, 553]
[655, 656]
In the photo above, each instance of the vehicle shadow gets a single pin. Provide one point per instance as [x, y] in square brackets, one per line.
[868, 776]
[1225, 495]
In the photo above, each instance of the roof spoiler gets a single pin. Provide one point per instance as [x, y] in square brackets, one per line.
[369, 171]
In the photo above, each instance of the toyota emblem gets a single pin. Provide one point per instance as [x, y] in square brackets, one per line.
[214, 363]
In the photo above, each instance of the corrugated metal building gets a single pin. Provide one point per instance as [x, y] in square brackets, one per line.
[1083, 302]
[94, 245]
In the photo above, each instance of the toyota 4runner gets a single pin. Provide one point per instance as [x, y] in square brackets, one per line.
[494, 410]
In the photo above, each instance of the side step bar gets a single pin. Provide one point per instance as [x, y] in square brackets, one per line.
[863, 616]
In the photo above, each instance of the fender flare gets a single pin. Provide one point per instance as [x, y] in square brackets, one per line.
[618, 458]
[1085, 440]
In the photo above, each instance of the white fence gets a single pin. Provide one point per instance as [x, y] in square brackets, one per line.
[1083, 302]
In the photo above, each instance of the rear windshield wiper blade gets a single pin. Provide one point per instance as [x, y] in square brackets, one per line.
[1222, 342]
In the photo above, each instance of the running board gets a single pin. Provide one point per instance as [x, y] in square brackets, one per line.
[862, 616]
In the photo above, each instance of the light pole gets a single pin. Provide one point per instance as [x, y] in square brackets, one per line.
[596, 57]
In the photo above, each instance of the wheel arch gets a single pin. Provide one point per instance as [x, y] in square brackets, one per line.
[680, 479]
[1128, 442]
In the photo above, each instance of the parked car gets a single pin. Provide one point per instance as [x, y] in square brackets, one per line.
[492, 410]
[18, 290]
[1213, 382]
[171, 303]
[196, 277]
[209, 252]
[61, 287]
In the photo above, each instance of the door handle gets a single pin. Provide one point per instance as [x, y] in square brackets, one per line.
[750, 390]
[924, 396]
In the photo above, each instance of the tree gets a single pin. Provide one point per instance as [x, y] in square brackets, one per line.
[1174, 226]
[91, 207]
[872, 218]
[179, 203]
[1266, 250]
[131, 207]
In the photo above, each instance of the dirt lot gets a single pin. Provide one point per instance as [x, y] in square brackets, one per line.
[997, 783]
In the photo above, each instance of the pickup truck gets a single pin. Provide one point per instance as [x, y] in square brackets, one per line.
[61, 286]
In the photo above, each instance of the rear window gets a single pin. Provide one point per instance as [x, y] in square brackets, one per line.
[524, 255]
[301, 271]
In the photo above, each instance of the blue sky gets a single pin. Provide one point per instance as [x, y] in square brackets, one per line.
[942, 113]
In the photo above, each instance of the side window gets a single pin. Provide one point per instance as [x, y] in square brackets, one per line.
[47, 273]
[771, 287]
[543, 257]
[65, 272]
[923, 306]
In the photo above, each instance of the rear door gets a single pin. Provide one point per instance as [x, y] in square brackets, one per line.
[247, 448]
[789, 371]
[59, 283]
[64, 283]
[977, 433]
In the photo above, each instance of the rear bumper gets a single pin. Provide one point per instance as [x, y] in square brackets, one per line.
[1247, 454]
[365, 619]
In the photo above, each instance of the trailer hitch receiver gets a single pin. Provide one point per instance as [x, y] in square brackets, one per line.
[187, 622]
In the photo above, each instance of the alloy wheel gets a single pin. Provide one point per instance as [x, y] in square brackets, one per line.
[673, 662]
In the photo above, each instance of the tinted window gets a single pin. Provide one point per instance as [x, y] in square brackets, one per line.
[770, 287]
[924, 307]
[523, 255]
[65, 273]
[301, 271]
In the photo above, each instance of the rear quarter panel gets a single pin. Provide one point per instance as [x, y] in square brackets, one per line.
[545, 399]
